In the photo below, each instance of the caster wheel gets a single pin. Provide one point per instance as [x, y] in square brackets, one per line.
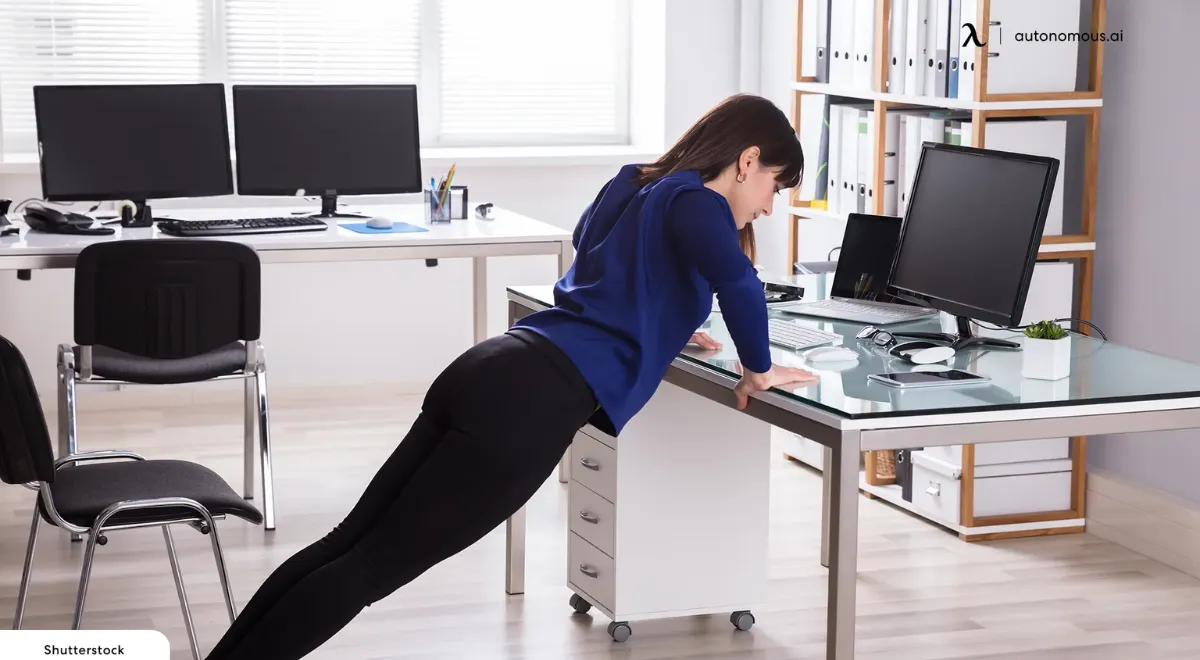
[619, 631]
[580, 605]
[742, 620]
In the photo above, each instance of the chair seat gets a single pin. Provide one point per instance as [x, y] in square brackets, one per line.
[118, 365]
[83, 491]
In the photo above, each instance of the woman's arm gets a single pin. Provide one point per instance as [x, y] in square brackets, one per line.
[702, 229]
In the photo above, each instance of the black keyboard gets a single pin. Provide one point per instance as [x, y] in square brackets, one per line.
[235, 226]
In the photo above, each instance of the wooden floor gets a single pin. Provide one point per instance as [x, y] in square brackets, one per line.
[923, 594]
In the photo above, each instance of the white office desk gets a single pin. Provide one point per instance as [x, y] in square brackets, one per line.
[508, 234]
[1112, 389]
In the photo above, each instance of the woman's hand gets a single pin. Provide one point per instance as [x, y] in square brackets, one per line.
[702, 340]
[755, 382]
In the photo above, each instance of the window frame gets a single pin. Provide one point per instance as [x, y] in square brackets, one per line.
[215, 69]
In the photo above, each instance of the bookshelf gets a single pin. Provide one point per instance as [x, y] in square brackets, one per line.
[1036, 517]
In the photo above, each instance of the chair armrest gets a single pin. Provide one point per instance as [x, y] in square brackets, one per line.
[106, 454]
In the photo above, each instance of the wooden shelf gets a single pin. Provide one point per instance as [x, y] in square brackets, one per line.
[1067, 102]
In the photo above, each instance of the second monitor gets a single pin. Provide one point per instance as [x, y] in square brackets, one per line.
[971, 236]
[326, 141]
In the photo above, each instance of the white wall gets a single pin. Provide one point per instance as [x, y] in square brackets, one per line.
[401, 322]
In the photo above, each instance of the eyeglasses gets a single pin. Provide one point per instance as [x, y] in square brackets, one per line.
[881, 338]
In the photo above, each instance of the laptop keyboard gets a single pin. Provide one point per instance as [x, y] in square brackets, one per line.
[899, 313]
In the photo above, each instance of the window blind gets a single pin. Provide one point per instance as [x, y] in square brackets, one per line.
[92, 41]
[533, 71]
[322, 41]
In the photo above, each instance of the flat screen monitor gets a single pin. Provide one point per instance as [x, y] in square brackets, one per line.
[971, 234]
[326, 141]
[135, 142]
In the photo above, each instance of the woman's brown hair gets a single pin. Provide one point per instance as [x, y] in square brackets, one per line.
[718, 139]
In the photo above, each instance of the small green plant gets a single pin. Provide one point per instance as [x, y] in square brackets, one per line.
[1045, 330]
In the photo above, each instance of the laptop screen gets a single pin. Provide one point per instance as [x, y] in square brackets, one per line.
[868, 247]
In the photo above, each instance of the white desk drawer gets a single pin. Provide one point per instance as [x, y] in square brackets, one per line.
[1025, 493]
[935, 493]
[592, 517]
[594, 465]
[597, 434]
[592, 571]
[996, 453]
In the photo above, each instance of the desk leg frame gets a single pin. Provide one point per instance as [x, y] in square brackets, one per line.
[842, 542]
[565, 257]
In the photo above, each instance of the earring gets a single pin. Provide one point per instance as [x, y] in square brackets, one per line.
[741, 177]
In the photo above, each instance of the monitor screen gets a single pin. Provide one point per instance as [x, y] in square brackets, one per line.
[868, 247]
[136, 142]
[972, 230]
[326, 139]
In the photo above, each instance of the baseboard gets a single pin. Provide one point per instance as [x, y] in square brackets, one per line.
[1149, 522]
[221, 393]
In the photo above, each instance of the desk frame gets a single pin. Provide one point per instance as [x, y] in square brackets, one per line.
[844, 439]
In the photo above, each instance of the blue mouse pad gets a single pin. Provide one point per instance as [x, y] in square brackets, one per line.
[396, 228]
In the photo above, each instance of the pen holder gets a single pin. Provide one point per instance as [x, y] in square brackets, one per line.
[451, 205]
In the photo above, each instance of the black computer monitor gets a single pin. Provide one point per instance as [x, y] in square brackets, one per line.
[326, 140]
[135, 142]
[970, 237]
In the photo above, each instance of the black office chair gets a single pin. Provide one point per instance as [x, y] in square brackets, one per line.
[172, 311]
[95, 493]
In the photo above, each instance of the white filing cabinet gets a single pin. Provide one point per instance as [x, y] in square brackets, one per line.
[672, 519]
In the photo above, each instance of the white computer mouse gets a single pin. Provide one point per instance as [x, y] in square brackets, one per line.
[831, 354]
[931, 355]
[379, 223]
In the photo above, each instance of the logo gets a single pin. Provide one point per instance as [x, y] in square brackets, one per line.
[971, 36]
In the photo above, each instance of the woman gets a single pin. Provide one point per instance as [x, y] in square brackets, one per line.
[652, 247]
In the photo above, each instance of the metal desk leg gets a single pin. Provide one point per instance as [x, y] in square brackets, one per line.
[565, 257]
[564, 467]
[826, 496]
[514, 578]
[843, 548]
[479, 296]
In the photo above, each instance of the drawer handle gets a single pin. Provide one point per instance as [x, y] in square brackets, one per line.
[589, 463]
[588, 571]
[588, 516]
[934, 490]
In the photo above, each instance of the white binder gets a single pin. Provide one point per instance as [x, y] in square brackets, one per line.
[812, 124]
[912, 155]
[864, 42]
[955, 47]
[898, 30]
[967, 54]
[835, 162]
[851, 116]
[866, 162]
[841, 43]
[1032, 66]
[891, 163]
[941, 56]
[822, 50]
[815, 60]
[914, 47]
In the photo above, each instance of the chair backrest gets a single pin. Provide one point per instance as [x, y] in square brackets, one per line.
[25, 451]
[167, 298]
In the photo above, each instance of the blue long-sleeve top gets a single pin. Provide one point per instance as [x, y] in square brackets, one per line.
[648, 261]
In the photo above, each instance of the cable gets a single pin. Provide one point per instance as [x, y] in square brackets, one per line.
[829, 257]
[1019, 328]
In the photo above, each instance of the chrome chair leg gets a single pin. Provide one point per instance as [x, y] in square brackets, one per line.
[222, 571]
[264, 441]
[250, 407]
[25, 574]
[85, 576]
[182, 591]
[68, 438]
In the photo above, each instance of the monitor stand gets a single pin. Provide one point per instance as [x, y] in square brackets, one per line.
[329, 210]
[965, 338]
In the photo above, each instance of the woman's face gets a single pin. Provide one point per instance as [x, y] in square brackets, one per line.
[754, 189]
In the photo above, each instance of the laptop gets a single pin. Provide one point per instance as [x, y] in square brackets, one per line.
[859, 292]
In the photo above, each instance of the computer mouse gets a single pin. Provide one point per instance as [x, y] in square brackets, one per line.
[379, 223]
[922, 352]
[831, 354]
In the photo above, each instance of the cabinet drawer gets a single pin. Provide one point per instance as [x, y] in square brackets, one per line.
[592, 517]
[935, 494]
[594, 465]
[592, 571]
[597, 434]
[1025, 493]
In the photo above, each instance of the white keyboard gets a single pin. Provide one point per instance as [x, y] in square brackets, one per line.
[862, 312]
[790, 334]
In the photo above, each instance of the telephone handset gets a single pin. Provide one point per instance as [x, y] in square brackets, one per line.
[53, 221]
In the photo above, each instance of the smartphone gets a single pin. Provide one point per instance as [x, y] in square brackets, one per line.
[914, 379]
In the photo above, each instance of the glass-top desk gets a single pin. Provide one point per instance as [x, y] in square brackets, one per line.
[1111, 389]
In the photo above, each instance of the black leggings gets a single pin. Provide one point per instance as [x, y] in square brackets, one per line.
[491, 431]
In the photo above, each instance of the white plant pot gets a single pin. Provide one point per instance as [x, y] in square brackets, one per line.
[1046, 359]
